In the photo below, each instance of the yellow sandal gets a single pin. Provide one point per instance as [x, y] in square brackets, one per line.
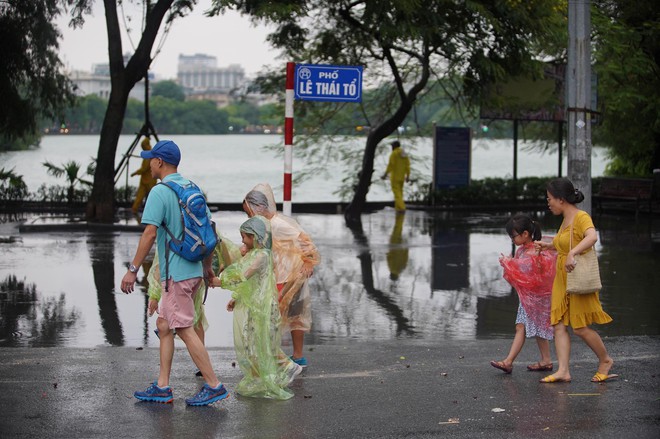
[603, 377]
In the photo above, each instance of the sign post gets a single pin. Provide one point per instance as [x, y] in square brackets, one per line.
[314, 82]
[288, 138]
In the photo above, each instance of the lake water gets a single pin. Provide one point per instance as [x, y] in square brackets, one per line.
[227, 167]
[432, 275]
[424, 275]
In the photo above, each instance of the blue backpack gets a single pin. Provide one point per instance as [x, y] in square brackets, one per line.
[198, 239]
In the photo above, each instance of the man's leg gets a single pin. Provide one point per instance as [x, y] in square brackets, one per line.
[198, 354]
[166, 351]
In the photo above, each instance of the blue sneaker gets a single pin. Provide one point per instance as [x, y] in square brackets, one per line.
[208, 395]
[156, 394]
[302, 361]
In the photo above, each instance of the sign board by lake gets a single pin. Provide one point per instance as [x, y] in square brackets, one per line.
[452, 149]
[317, 82]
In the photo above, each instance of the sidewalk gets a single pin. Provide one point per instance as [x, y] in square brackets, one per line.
[352, 389]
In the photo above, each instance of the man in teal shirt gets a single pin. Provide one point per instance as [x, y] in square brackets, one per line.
[180, 279]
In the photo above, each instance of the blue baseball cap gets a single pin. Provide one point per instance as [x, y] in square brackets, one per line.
[165, 150]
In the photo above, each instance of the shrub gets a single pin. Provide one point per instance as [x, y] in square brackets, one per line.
[491, 191]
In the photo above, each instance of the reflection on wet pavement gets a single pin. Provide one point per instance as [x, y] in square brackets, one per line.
[419, 274]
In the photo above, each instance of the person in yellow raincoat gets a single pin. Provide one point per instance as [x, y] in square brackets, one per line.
[146, 180]
[295, 256]
[398, 167]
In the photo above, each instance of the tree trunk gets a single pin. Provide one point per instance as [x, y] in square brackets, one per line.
[356, 206]
[100, 206]
[407, 100]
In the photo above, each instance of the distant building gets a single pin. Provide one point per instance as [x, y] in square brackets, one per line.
[98, 83]
[201, 78]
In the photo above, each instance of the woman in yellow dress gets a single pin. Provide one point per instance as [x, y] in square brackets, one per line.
[575, 310]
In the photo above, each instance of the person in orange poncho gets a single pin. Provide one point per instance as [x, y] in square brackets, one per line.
[295, 256]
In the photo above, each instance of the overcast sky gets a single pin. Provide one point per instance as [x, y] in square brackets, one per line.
[232, 39]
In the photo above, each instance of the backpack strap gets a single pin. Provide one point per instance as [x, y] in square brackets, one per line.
[169, 185]
[172, 238]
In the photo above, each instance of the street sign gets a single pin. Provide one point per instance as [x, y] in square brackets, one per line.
[317, 82]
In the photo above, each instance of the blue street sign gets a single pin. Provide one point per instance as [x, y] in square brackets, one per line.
[316, 82]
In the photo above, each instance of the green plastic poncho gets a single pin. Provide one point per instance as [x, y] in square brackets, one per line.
[267, 371]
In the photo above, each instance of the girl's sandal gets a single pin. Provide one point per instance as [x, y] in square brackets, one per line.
[501, 366]
[538, 367]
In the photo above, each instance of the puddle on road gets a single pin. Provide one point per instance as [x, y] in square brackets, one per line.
[418, 275]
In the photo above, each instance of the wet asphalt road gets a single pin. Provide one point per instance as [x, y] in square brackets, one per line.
[394, 389]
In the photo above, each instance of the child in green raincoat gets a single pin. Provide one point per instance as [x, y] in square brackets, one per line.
[267, 370]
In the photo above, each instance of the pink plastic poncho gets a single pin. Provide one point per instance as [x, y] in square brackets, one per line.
[531, 274]
[292, 249]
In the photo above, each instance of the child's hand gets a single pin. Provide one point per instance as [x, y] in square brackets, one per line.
[243, 250]
[152, 307]
[542, 245]
[230, 305]
[208, 272]
[215, 282]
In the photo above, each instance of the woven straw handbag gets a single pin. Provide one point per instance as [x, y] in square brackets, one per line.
[585, 277]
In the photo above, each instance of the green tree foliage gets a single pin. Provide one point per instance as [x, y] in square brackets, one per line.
[406, 47]
[627, 51]
[32, 84]
[271, 114]
[86, 117]
[168, 89]
[169, 116]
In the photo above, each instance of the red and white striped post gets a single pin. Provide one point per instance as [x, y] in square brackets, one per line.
[288, 137]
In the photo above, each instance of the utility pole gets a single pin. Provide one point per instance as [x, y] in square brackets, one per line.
[578, 81]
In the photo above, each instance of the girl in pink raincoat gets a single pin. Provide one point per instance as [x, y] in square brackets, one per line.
[531, 273]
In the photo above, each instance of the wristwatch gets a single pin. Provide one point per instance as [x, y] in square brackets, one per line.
[132, 268]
